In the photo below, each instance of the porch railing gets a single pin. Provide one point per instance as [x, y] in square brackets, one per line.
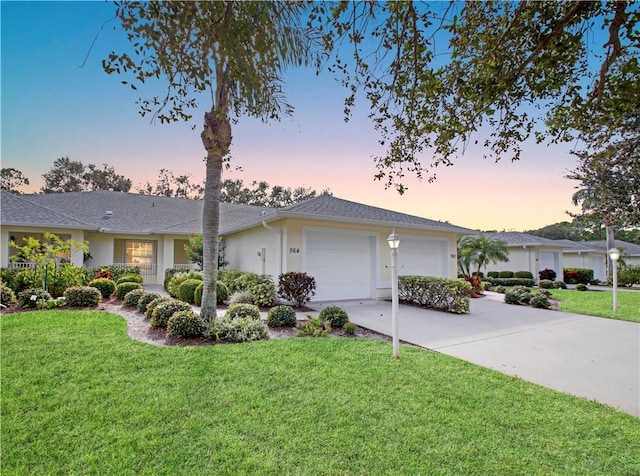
[186, 267]
[19, 264]
[147, 271]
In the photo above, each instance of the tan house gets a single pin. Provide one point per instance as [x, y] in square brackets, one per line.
[342, 244]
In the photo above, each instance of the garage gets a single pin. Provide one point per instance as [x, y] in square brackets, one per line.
[423, 256]
[341, 261]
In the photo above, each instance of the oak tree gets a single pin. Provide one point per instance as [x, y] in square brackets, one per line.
[11, 180]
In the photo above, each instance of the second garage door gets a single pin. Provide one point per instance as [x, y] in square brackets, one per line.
[423, 256]
[341, 261]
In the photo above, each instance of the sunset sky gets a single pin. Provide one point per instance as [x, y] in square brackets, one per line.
[51, 107]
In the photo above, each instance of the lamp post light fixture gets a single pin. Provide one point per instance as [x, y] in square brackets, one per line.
[614, 254]
[394, 244]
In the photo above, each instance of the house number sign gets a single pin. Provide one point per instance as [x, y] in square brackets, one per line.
[294, 250]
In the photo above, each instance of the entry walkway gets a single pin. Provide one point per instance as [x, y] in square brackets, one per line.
[590, 357]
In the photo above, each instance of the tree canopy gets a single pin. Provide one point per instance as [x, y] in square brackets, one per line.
[67, 175]
[11, 180]
[170, 185]
[438, 76]
[263, 194]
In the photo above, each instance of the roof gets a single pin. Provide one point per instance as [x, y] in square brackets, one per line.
[628, 249]
[118, 212]
[570, 246]
[330, 208]
[516, 238]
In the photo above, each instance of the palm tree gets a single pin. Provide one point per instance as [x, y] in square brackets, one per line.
[480, 250]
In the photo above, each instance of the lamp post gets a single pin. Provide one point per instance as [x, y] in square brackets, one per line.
[614, 254]
[394, 243]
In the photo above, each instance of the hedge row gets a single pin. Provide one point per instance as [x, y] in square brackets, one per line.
[450, 295]
[511, 282]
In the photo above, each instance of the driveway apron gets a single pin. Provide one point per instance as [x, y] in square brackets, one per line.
[590, 357]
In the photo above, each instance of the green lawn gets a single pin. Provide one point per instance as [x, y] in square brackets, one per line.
[80, 397]
[600, 303]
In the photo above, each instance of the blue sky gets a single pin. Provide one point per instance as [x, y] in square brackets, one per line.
[51, 107]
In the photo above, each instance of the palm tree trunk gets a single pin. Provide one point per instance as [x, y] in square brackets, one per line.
[216, 138]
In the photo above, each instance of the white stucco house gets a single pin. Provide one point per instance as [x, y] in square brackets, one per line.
[342, 244]
[629, 252]
[580, 254]
[528, 253]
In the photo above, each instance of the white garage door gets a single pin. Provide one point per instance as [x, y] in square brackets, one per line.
[423, 256]
[342, 262]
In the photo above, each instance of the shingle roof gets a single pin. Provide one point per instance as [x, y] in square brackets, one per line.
[628, 249]
[577, 246]
[516, 238]
[21, 211]
[329, 207]
[117, 212]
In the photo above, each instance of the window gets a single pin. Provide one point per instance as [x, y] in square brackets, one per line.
[140, 253]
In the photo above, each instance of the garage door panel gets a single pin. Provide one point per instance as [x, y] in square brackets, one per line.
[340, 262]
[423, 257]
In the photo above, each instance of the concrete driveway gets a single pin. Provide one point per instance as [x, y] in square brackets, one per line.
[590, 357]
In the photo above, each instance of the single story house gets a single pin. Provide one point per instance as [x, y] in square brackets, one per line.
[629, 252]
[528, 253]
[580, 254]
[342, 244]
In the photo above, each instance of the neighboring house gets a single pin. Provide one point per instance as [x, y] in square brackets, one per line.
[340, 243]
[580, 254]
[527, 253]
[629, 252]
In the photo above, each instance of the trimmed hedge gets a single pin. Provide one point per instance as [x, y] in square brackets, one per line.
[186, 290]
[451, 295]
[123, 288]
[336, 316]
[505, 274]
[512, 282]
[523, 274]
[130, 278]
[82, 296]
[116, 271]
[106, 286]
[281, 316]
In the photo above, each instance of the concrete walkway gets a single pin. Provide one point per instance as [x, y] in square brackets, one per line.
[590, 357]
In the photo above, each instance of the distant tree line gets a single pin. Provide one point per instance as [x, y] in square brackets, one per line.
[67, 175]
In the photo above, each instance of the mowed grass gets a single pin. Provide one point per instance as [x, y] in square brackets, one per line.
[600, 303]
[80, 397]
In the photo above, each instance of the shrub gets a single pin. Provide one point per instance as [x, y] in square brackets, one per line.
[106, 286]
[296, 287]
[523, 274]
[336, 316]
[492, 274]
[151, 306]
[559, 285]
[113, 272]
[517, 295]
[10, 277]
[124, 288]
[241, 310]
[164, 310]
[247, 280]
[546, 284]
[145, 299]
[179, 278]
[241, 297]
[7, 296]
[132, 297]
[242, 329]
[186, 324]
[229, 277]
[500, 289]
[82, 296]
[264, 293]
[222, 292]
[629, 275]
[540, 301]
[130, 278]
[547, 274]
[29, 298]
[577, 275]
[187, 289]
[451, 295]
[103, 274]
[505, 274]
[512, 282]
[582, 287]
[350, 328]
[314, 327]
[281, 316]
